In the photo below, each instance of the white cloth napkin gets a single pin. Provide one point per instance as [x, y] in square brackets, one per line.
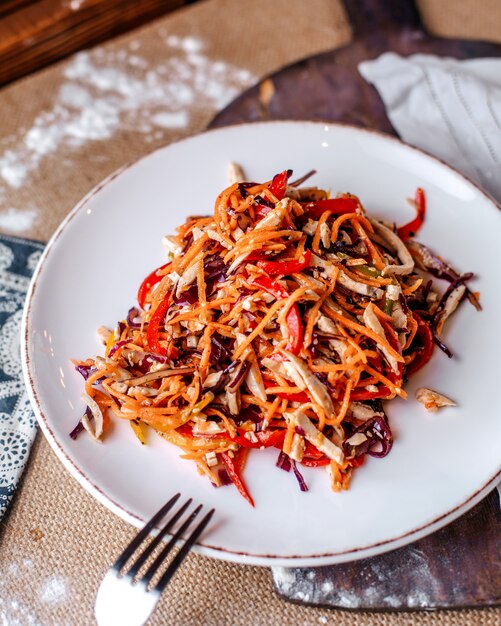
[449, 108]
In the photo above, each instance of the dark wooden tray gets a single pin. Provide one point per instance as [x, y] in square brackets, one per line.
[456, 567]
[460, 565]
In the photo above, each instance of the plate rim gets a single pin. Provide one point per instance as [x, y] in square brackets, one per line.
[204, 547]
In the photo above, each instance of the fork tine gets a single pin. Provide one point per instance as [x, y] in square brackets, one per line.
[161, 557]
[149, 549]
[139, 538]
[179, 558]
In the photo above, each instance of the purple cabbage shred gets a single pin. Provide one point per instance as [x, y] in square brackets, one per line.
[379, 439]
[302, 484]
[283, 462]
[85, 370]
[131, 317]
[118, 345]
[79, 427]
[224, 477]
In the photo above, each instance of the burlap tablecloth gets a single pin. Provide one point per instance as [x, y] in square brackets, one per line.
[61, 132]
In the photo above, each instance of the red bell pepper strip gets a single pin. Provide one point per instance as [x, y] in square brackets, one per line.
[153, 327]
[265, 438]
[301, 396]
[410, 229]
[240, 458]
[147, 284]
[316, 209]
[315, 462]
[313, 457]
[261, 210]
[284, 268]
[255, 256]
[236, 479]
[311, 451]
[293, 319]
[364, 394]
[425, 353]
[279, 184]
[357, 461]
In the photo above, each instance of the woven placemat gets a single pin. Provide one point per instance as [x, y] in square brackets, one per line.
[462, 19]
[62, 131]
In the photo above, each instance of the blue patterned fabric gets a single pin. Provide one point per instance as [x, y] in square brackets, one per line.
[18, 259]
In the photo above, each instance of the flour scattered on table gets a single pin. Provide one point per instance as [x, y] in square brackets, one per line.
[12, 611]
[108, 91]
[53, 591]
[15, 221]
[14, 614]
[327, 586]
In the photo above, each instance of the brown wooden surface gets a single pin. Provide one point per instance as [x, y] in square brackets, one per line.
[8, 6]
[460, 565]
[329, 87]
[34, 34]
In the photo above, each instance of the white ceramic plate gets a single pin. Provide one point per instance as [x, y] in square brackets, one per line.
[441, 464]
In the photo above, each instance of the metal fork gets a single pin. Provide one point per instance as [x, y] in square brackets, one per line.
[127, 599]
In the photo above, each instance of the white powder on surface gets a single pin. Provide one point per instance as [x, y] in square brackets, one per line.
[12, 611]
[14, 614]
[53, 591]
[16, 221]
[108, 91]
[171, 120]
[327, 586]
[375, 586]
[284, 578]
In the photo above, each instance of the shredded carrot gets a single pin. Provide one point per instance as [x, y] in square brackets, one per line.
[338, 222]
[414, 287]
[376, 257]
[259, 328]
[382, 315]
[363, 330]
[344, 406]
[315, 246]
[414, 326]
[248, 334]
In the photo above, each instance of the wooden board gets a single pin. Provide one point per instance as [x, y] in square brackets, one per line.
[460, 565]
[36, 33]
[456, 567]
